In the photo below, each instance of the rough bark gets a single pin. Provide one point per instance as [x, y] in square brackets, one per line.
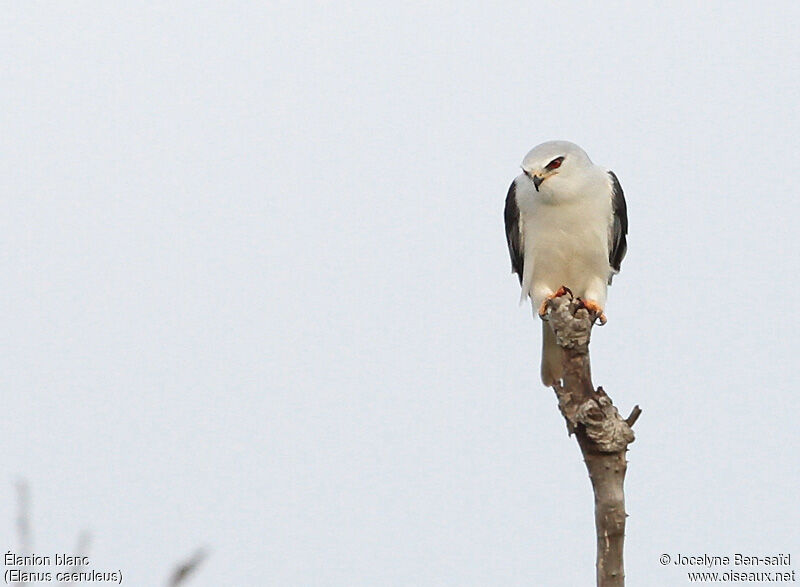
[603, 435]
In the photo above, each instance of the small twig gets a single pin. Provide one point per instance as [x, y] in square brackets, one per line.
[635, 413]
[184, 570]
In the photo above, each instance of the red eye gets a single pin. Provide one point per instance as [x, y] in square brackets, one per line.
[554, 164]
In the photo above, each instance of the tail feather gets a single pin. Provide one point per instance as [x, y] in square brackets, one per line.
[552, 355]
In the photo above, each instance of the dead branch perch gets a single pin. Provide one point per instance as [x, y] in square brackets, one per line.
[603, 435]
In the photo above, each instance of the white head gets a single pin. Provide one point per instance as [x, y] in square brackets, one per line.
[558, 169]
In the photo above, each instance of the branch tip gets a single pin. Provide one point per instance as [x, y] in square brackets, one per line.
[635, 413]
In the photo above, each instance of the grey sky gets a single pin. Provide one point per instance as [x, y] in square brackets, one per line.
[257, 294]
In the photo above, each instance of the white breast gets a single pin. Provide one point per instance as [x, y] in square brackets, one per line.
[565, 242]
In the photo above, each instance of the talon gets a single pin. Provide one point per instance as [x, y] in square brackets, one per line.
[562, 291]
[543, 308]
[594, 309]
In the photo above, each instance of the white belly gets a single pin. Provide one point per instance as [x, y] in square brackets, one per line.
[566, 244]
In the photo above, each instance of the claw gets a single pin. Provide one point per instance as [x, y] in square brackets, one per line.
[594, 309]
[562, 291]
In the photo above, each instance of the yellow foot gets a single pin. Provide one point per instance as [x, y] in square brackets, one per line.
[594, 308]
[562, 291]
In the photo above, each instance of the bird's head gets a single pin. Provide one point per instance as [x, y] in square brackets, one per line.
[556, 168]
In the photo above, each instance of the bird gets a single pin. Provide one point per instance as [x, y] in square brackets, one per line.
[566, 227]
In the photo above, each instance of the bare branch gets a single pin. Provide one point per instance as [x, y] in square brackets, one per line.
[602, 434]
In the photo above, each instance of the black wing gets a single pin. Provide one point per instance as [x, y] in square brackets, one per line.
[513, 235]
[617, 243]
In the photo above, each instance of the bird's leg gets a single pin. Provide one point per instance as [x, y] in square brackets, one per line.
[562, 291]
[594, 310]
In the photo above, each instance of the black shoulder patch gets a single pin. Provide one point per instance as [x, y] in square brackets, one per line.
[513, 236]
[618, 241]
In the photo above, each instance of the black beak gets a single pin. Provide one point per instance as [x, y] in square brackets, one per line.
[537, 181]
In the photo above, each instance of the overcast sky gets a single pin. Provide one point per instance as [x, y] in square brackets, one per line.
[256, 293]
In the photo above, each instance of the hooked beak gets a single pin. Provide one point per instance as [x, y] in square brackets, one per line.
[537, 179]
